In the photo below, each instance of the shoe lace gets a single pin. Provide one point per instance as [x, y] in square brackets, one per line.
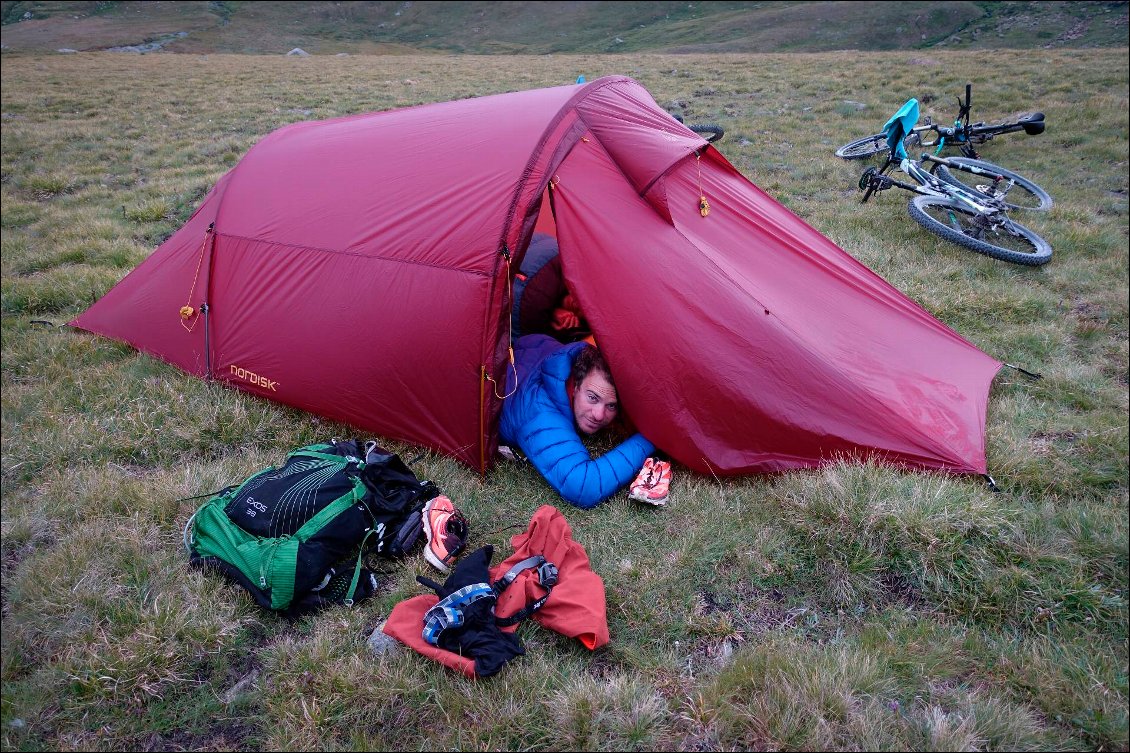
[654, 474]
[457, 521]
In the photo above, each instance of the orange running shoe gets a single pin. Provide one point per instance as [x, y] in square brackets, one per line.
[652, 484]
[446, 531]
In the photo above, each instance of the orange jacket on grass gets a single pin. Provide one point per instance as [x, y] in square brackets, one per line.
[576, 608]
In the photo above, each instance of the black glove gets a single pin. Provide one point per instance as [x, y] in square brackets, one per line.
[479, 637]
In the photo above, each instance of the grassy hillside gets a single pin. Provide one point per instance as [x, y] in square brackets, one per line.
[851, 608]
[559, 27]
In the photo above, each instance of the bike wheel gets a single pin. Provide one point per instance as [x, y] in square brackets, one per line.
[865, 147]
[998, 237]
[710, 131]
[981, 176]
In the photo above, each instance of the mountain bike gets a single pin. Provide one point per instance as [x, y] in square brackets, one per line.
[930, 134]
[972, 215]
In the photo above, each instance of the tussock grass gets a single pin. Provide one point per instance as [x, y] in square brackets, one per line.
[851, 607]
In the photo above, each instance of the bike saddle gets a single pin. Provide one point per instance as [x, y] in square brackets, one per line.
[1032, 124]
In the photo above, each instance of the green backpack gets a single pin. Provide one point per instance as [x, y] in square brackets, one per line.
[295, 536]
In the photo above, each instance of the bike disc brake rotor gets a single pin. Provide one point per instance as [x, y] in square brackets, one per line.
[997, 230]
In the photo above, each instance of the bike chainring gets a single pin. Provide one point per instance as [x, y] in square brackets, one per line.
[869, 179]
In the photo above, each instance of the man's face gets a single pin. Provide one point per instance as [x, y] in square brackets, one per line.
[594, 403]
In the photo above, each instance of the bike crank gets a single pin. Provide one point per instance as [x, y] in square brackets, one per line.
[872, 181]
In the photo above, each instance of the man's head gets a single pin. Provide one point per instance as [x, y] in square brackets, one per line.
[595, 403]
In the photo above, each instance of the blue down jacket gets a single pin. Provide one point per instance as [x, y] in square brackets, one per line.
[538, 419]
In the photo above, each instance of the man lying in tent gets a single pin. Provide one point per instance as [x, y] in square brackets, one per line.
[565, 389]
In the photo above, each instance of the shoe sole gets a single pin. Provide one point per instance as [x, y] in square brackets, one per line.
[435, 562]
[648, 500]
[429, 555]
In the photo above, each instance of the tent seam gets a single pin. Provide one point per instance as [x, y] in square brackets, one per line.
[463, 270]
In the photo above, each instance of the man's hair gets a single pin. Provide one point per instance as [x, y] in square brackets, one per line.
[587, 360]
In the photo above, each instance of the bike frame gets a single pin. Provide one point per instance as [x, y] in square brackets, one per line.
[927, 184]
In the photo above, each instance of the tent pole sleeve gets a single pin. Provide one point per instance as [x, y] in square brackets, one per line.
[207, 307]
[207, 342]
[483, 419]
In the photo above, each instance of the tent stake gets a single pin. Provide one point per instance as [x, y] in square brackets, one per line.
[1024, 371]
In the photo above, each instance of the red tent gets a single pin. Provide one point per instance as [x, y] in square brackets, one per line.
[357, 268]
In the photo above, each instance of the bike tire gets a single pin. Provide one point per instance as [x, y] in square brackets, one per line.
[1023, 246]
[1024, 194]
[712, 131]
[863, 148]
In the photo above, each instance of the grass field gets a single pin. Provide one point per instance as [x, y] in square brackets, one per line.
[537, 28]
[852, 607]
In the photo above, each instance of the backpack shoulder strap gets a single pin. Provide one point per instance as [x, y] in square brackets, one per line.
[547, 579]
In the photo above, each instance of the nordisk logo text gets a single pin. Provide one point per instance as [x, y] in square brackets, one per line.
[250, 376]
